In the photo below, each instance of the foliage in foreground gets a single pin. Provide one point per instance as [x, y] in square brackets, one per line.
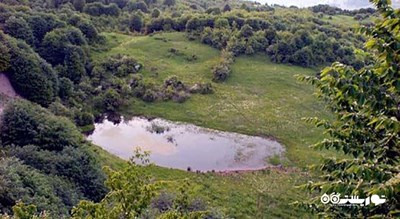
[366, 129]
[45, 161]
[132, 192]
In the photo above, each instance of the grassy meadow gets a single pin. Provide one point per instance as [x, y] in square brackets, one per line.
[260, 98]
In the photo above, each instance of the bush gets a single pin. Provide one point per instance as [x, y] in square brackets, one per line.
[24, 123]
[57, 43]
[169, 2]
[180, 96]
[156, 13]
[120, 65]
[135, 6]
[111, 100]
[84, 119]
[149, 96]
[164, 202]
[66, 88]
[30, 75]
[136, 23]
[98, 9]
[19, 28]
[137, 86]
[19, 182]
[89, 31]
[221, 72]
[41, 24]
[202, 88]
[174, 83]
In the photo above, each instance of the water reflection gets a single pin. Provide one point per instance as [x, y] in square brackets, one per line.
[180, 146]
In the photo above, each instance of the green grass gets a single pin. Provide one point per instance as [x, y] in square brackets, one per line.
[260, 98]
[347, 21]
[343, 20]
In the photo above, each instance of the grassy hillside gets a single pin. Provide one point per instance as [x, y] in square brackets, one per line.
[260, 98]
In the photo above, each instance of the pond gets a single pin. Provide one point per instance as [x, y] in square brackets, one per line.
[183, 146]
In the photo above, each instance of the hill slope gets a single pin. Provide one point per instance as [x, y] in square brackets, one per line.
[260, 98]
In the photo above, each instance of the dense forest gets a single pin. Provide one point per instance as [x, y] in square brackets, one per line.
[48, 51]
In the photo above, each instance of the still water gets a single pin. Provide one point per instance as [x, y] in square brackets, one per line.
[180, 145]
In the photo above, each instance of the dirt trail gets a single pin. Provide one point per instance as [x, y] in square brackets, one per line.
[7, 92]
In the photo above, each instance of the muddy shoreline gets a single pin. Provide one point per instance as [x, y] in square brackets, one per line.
[186, 146]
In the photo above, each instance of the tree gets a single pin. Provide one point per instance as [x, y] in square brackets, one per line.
[111, 100]
[156, 13]
[136, 23]
[244, 6]
[24, 123]
[19, 28]
[193, 24]
[98, 9]
[121, 3]
[150, 2]
[214, 11]
[42, 23]
[221, 23]
[246, 31]
[79, 4]
[271, 35]
[89, 30]
[303, 57]
[57, 45]
[30, 75]
[135, 6]
[74, 62]
[366, 128]
[131, 192]
[227, 8]
[4, 57]
[66, 88]
[19, 182]
[169, 3]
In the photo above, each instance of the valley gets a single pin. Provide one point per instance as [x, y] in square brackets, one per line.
[198, 109]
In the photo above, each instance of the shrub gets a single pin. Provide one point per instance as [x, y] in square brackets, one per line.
[175, 83]
[134, 6]
[221, 72]
[202, 88]
[111, 100]
[98, 9]
[180, 97]
[84, 119]
[149, 95]
[156, 13]
[163, 202]
[89, 31]
[169, 2]
[56, 45]
[120, 65]
[30, 75]
[136, 23]
[19, 28]
[41, 24]
[66, 88]
[24, 123]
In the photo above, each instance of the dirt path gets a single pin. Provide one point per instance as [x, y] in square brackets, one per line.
[7, 92]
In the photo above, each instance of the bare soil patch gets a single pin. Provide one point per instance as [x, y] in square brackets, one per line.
[7, 92]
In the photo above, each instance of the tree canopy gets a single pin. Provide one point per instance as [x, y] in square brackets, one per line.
[366, 127]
